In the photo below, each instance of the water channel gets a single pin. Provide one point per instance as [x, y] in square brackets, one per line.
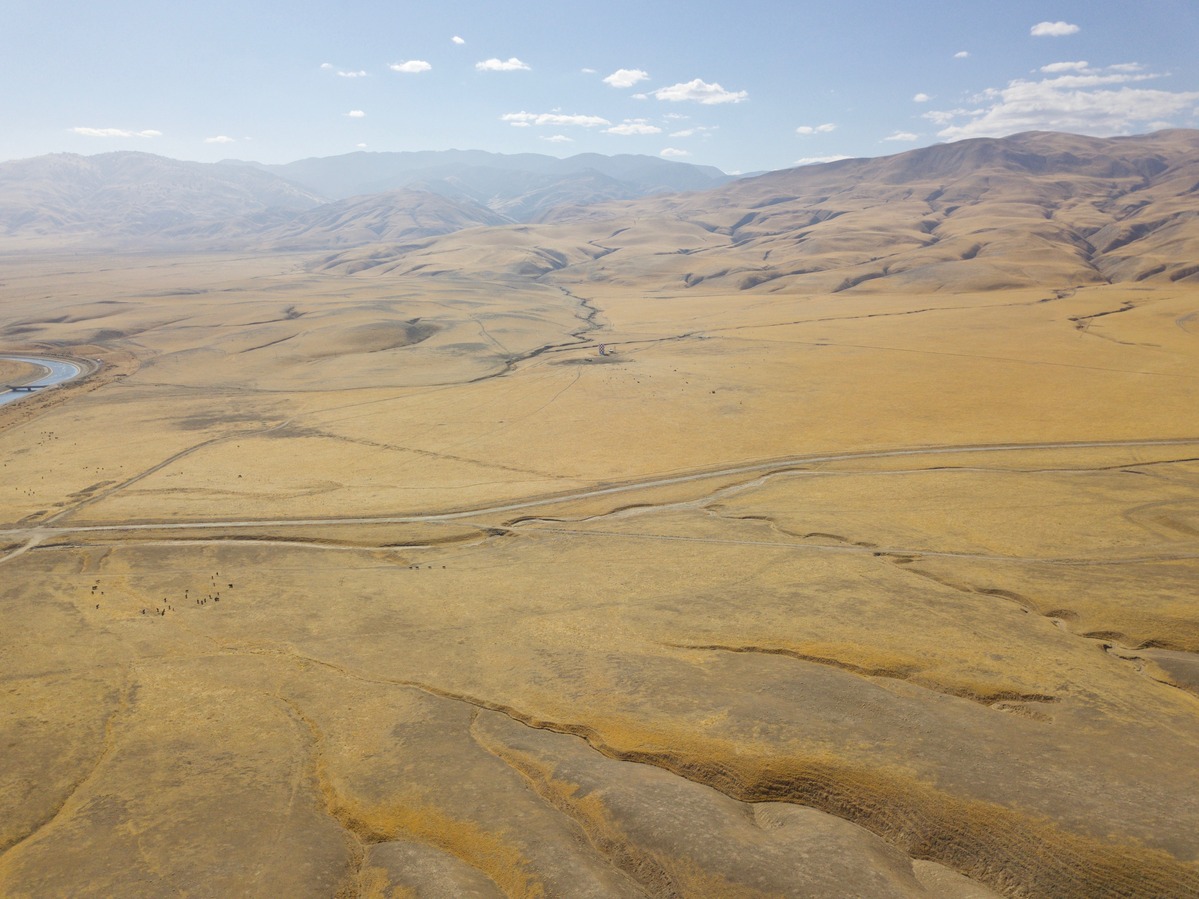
[56, 371]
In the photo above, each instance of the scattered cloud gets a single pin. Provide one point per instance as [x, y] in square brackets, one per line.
[1054, 67]
[816, 129]
[1099, 102]
[903, 136]
[945, 116]
[558, 139]
[698, 129]
[699, 91]
[961, 54]
[634, 126]
[526, 119]
[1126, 67]
[457, 40]
[674, 153]
[116, 132]
[220, 139]
[360, 146]
[502, 65]
[1053, 29]
[329, 67]
[587, 71]
[356, 114]
[410, 66]
[819, 160]
[921, 98]
[626, 77]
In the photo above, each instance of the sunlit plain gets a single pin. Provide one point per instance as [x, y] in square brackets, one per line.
[364, 582]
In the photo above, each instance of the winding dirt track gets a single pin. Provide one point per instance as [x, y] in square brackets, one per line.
[36, 533]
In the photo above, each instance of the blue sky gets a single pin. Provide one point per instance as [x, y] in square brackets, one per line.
[764, 84]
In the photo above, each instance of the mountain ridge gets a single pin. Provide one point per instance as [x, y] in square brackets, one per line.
[362, 172]
[981, 214]
[136, 198]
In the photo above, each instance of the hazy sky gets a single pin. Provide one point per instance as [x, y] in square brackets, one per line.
[762, 84]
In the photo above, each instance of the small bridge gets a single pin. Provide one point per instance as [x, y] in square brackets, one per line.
[26, 388]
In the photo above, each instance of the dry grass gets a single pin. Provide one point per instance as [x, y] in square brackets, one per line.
[256, 661]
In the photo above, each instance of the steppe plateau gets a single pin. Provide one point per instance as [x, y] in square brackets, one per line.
[828, 533]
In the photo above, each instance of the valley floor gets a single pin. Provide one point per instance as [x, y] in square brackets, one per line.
[333, 585]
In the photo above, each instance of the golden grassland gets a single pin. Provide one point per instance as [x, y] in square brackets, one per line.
[377, 585]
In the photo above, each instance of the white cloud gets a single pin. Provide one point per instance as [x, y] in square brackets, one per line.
[220, 139]
[634, 126]
[1055, 67]
[356, 114]
[116, 132]
[945, 116]
[558, 139]
[457, 40]
[921, 98]
[699, 91]
[674, 152]
[961, 54]
[329, 67]
[411, 66]
[1126, 67]
[1089, 79]
[586, 71]
[816, 129]
[1090, 102]
[525, 119]
[819, 160]
[501, 65]
[360, 146]
[626, 77]
[903, 136]
[691, 132]
[1053, 29]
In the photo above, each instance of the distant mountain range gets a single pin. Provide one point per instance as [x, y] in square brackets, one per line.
[137, 199]
[491, 179]
[132, 196]
[1033, 209]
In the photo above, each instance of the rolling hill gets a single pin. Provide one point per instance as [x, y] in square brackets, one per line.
[485, 176]
[135, 196]
[748, 541]
[1033, 209]
[139, 201]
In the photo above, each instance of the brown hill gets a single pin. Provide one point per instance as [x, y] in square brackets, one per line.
[139, 195]
[1032, 209]
[142, 201]
[394, 216]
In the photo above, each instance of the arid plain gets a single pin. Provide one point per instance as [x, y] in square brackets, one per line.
[372, 575]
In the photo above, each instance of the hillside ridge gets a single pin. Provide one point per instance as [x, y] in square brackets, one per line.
[992, 213]
[982, 214]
